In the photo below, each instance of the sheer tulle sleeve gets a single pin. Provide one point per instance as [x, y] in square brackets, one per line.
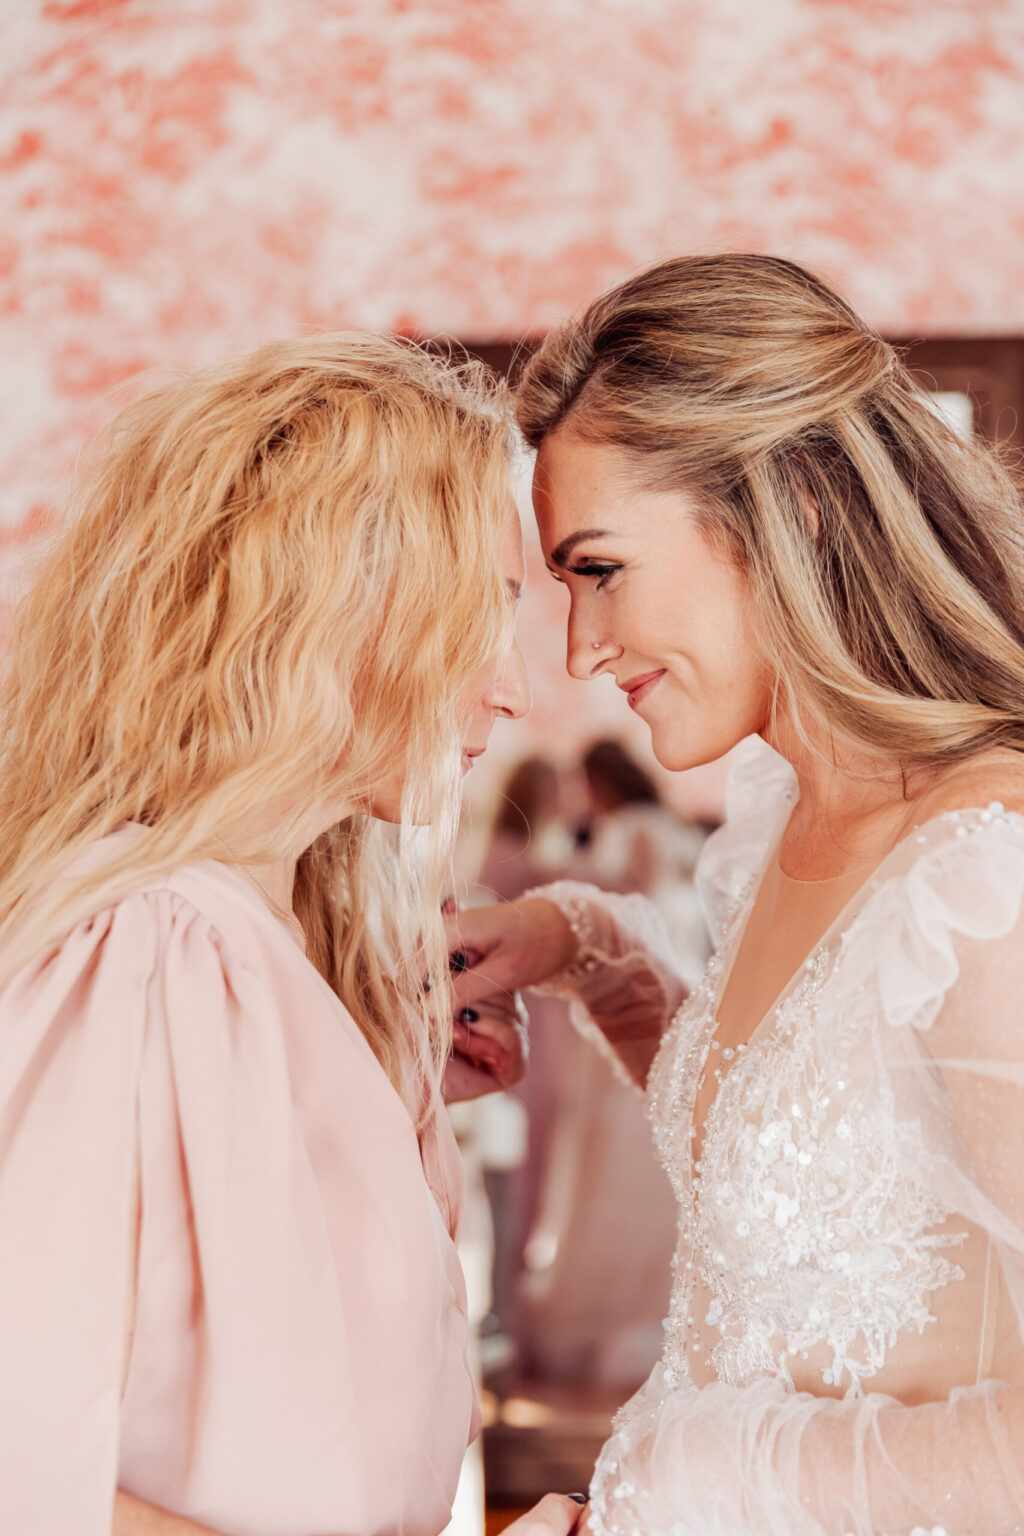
[930, 982]
[624, 984]
[71, 1032]
[758, 1461]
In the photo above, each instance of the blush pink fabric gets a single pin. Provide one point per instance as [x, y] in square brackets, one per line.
[298, 1360]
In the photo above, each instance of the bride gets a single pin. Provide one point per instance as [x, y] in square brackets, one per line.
[769, 538]
[230, 1298]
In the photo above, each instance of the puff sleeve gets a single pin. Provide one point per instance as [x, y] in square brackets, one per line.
[71, 1037]
[298, 1357]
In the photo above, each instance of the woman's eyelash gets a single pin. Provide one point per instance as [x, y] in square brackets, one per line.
[593, 568]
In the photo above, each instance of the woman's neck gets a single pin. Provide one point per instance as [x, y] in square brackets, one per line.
[276, 880]
[852, 805]
[276, 877]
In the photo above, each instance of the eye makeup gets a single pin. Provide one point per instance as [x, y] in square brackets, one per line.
[595, 568]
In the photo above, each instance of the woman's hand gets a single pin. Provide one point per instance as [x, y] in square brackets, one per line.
[490, 1047]
[510, 945]
[133, 1517]
[555, 1515]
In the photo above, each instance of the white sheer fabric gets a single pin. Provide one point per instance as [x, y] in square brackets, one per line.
[625, 982]
[843, 1352]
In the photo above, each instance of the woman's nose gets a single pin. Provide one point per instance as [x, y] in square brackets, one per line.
[586, 650]
[510, 695]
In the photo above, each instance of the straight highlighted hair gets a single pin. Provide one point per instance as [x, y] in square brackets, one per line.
[894, 615]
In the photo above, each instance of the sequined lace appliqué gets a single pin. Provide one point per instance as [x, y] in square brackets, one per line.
[800, 1220]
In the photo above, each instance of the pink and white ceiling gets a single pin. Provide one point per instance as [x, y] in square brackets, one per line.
[183, 178]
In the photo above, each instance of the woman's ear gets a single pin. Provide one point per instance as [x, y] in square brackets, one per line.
[805, 497]
[811, 511]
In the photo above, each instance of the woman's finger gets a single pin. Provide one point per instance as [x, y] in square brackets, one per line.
[472, 929]
[493, 974]
[460, 960]
[555, 1515]
[496, 1046]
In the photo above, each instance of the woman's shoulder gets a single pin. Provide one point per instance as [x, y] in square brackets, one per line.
[124, 914]
[963, 862]
[186, 950]
[990, 779]
[952, 886]
[125, 873]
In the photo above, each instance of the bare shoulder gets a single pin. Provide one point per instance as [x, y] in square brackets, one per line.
[996, 776]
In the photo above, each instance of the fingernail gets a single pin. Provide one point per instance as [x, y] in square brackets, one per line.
[579, 1498]
[468, 1016]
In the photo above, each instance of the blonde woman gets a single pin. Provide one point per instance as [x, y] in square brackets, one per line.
[768, 536]
[238, 704]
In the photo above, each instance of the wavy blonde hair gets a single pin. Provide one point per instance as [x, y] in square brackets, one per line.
[282, 571]
[898, 623]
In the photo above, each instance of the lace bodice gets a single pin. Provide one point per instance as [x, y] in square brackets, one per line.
[839, 1197]
[803, 1220]
[810, 1219]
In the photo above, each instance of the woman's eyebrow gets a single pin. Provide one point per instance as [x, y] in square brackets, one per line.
[560, 556]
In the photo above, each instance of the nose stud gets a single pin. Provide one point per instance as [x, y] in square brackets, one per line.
[596, 644]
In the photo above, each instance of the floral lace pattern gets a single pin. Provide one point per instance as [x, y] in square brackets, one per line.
[802, 1218]
[837, 1181]
[799, 1219]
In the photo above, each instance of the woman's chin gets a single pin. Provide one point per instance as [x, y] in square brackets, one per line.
[677, 754]
[383, 810]
[675, 760]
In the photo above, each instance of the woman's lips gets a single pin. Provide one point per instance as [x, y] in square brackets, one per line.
[637, 688]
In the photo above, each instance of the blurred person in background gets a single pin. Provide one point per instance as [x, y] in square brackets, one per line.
[637, 843]
[766, 532]
[531, 841]
[532, 835]
[596, 1273]
[237, 708]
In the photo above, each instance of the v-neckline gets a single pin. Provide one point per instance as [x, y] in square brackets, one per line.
[861, 891]
[858, 898]
[844, 918]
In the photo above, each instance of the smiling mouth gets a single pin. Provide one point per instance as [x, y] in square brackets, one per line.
[636, 689]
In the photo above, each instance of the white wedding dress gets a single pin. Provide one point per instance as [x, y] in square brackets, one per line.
[843, 1351]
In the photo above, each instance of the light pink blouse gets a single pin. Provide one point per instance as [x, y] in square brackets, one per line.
[298, 1362]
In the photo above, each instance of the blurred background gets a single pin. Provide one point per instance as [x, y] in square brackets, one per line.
[183, 180]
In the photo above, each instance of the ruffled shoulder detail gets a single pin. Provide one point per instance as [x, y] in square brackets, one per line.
[72, 1027]
[761, 793]
[962, 877]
